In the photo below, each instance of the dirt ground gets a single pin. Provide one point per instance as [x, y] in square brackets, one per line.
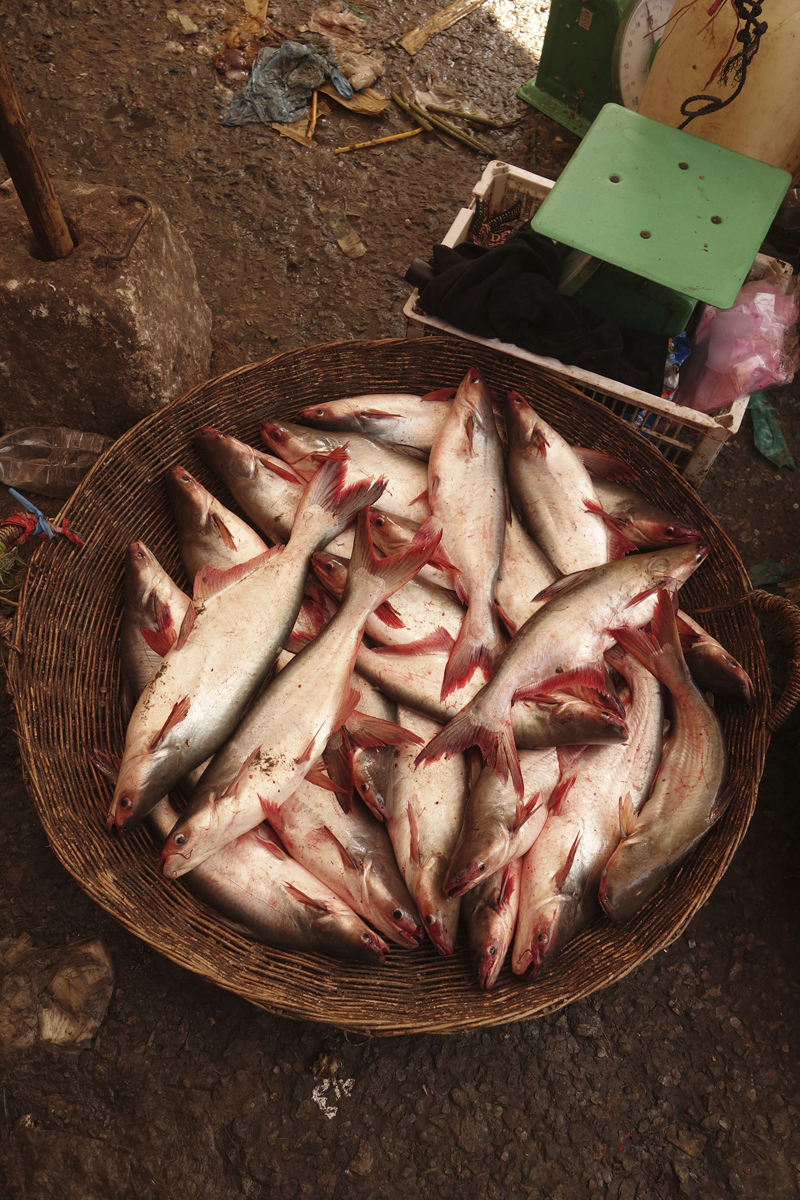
[679, 1081]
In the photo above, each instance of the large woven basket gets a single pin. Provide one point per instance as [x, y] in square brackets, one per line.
[65, 682]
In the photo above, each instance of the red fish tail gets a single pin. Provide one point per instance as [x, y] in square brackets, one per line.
[372, 580]
[479, 644]
[496, 743]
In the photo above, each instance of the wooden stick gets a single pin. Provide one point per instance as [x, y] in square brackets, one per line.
[465, 116]
[452, 131]
[27, 171]
[396, 137]
[415, 116]
[312, 124]
[415, 39]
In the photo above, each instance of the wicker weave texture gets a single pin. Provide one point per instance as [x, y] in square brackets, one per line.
[65, 682]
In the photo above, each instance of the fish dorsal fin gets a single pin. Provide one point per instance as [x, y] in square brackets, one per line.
[413, 833]
[559, 792]
[506, 887]
[233, 786]
[209, 581]
[187, 625]
[605, 466]
[387, 613]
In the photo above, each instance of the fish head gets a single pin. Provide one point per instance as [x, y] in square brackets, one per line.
[140, 785]
[552, 927]
[718, 672]
[357, 941]
[143, 574]
[676, 562]
[660, 531]
[488, 963]
[522, 425]
[390, 534]
[633, 873]
[370, 783]
[331, 572]
[193, 838]
[190, 501]
[297, 445]
[338, 416]
[482, 849]
[439, 913]
[575, 721]
[227, 456]
[405, 922]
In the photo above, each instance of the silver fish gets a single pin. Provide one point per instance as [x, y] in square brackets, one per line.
[423, 818]
[270, 897]
[209, 534]
[641, 522]
[404, 419]
[351, 854]
[405, 495]
[412, 675]
[713, 668]
[229, 640]
[689, 794]
[561, 871]
[281, 738]
[372, 765]
[490, 915]
[469, 503]
[561, 648]
[154, 609]
[554, 493]
[498, 827]
[524, 572]
[417, 610]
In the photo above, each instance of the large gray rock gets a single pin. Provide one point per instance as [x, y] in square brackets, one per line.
[92, 342]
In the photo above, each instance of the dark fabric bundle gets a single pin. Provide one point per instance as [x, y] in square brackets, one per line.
[509, 292]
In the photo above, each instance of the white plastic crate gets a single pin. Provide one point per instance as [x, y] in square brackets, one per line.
[690, 440]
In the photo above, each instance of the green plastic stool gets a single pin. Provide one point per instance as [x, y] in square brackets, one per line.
[664, 205]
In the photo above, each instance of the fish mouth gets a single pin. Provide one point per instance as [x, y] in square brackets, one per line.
[459, 883]
[488, 968]
[703, 550]
[437, 932]
[374, 948]
[541, 946]
[676, 534]
[409, 931]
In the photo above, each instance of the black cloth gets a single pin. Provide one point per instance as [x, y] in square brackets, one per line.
[509, 292]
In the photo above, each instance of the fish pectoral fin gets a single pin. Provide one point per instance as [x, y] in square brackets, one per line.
[317, 775]
[187, 625]
[524, 810]
[558, 793]
[107, 764]
[348, 861]
[223, 531]
[560, 587]
[720, 804]
[347, 706]
[387, 613]
[562, 875]
[180, 711]
[302, 898]
[442, 393]
[209, 581]
[376, 731]
[233, 786]
[415, 849]
[627, 816]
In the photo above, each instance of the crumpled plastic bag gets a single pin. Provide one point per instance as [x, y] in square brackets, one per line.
[350, 35]
[740, 350]
[282, 81]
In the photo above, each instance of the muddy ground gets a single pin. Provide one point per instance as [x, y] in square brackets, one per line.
[680, 1080]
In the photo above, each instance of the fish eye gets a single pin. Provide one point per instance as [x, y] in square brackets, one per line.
[670, 529]
[543, 938]
[320, 412]
[365, 937]
[179, 839]
[431, 918]
[492, 951]
[482, 866]
[125, 802]
[397, 914]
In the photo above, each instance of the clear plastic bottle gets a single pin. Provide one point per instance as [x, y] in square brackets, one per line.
[49, 461]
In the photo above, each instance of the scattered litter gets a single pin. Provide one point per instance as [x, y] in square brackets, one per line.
[395, 137]
[281, 83]
[53, 999]
[349, 34]
[368, 103]
[767, 433]
[330, 1089]
[257, 9]
[347, 238]
[415, 39]
[49, 461]
[769, 572]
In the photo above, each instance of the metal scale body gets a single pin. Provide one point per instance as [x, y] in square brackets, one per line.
[595, 52]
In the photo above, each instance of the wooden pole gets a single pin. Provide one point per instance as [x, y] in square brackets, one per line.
[28, 174]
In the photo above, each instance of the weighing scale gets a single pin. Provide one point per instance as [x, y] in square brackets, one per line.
[595, 52]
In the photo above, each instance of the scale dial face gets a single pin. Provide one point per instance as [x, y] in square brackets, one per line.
[640, 28]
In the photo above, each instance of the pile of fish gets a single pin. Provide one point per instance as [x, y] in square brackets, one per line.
[441, 673]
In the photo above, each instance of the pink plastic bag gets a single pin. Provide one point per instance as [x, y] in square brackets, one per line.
[740, 350]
